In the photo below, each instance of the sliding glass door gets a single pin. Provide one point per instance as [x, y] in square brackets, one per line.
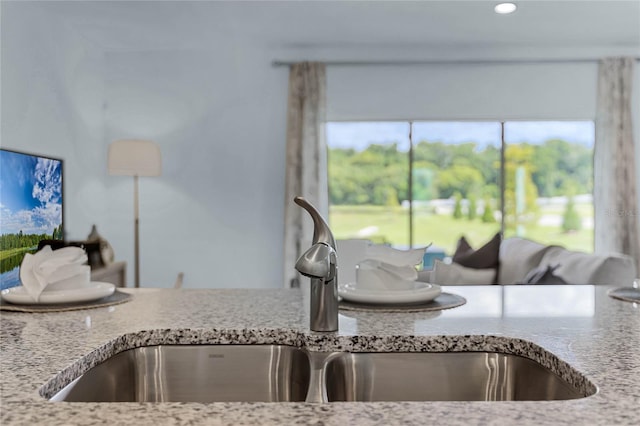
[413, 183]
[368, 169]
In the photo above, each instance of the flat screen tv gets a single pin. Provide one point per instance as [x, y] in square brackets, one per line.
[30, 208]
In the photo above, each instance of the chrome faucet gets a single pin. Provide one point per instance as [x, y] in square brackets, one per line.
[320, 264]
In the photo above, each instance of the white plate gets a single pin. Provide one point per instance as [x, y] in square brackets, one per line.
[421, 292]
[96, 290]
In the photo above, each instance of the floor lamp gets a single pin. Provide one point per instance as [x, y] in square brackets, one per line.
[135, 158]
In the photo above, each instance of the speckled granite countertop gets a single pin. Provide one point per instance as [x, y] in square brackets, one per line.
[580, 325]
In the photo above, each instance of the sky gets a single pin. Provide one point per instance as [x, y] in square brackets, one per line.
[360, 134]
[30, 193]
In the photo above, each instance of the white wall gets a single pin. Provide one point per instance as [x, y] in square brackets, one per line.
[220, 118]
[216, 212]
[52, 97]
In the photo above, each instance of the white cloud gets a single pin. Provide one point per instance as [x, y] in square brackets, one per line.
[40, 220]
[46, 187]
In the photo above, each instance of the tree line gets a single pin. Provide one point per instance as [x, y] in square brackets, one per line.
[378, 175]
[21, 240]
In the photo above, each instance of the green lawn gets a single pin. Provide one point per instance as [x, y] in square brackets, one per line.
[392, 225]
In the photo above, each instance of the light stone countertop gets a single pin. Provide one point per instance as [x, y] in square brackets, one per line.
[580, 325]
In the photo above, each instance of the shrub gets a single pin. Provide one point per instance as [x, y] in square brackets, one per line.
[473, 208]
[487, 213]
[571, 221]
[457, 208]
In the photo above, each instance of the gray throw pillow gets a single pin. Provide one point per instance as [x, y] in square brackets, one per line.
[543, 275]
[485, 257]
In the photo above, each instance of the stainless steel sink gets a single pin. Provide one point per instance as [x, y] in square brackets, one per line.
[276, 373]
[450, 376]
[198, 373]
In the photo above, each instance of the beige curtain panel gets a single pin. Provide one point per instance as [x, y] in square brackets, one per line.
[615, 195]
[306, 161]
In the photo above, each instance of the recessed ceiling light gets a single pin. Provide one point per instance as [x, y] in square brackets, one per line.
[505, 8]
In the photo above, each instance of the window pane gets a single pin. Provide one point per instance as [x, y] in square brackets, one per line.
[549, 182]
[368, 166]
[456, 177]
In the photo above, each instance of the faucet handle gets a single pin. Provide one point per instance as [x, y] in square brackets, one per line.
[318, 262]
[321, 231]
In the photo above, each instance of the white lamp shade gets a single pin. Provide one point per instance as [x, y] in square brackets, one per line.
[131, 157]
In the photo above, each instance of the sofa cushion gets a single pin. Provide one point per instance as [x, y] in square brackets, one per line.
[482, 258]
[424, 275]
[454, 274]
[518, 256]
[543, 275]
[583, 268]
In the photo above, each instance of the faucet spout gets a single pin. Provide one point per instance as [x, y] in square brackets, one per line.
[321, 231]
[320, 264]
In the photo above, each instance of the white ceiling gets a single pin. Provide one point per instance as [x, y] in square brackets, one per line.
[337, 24]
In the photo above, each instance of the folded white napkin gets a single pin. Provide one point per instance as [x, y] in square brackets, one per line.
[54, 269]
[388, 268]
[407, 272]
[393, 256]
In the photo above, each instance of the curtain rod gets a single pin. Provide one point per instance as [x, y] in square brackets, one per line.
[277, 63]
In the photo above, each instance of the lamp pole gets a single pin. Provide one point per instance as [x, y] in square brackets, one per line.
[135, 157]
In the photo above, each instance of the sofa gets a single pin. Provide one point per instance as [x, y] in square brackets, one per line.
[522, 261]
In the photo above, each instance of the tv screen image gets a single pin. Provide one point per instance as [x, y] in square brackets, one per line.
[30, 208]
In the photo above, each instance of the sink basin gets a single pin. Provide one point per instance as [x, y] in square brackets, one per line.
[450, 376]
[195, 373]
[278, 373]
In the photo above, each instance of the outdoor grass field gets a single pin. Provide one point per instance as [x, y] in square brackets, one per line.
[391, 224]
